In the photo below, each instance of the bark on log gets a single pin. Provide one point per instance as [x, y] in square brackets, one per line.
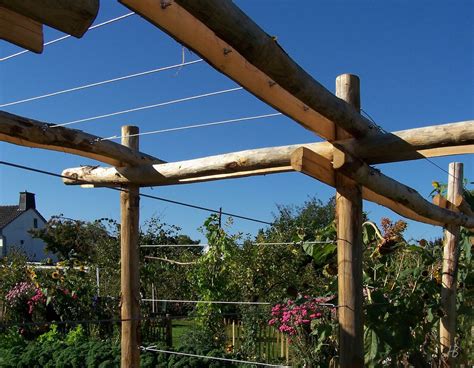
[32, 133]
[20, 30]
[268, 160]
[72, 17]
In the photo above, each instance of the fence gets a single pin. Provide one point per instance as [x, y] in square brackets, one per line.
[271, 344]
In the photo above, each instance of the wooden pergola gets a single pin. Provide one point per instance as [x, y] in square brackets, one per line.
[233, 44]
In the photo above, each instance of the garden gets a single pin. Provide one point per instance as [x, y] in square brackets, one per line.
[61, 314]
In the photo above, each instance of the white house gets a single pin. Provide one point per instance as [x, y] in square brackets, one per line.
[15, 223]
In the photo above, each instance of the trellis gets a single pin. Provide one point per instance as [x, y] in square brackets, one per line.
[233, 44]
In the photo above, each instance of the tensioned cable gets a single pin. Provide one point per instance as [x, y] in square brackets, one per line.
[153, 348]
[220, 122]
[68, 36]
[204, 301]
[95, 84]
[225, 302]
[150, 106]
[140, 194]
[253, 243]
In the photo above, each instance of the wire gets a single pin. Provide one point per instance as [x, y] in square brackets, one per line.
[171, 245]
[101, 83]
[221, 122]
[205, 301]
[226, 302]
[206, 245]
[153, 348]
[149, 106]
[68, 36]
[140, 194]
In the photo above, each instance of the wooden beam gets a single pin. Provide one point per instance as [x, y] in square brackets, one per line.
[189, 31]
[21, 31]
[306, 154]
[440, 201]
[245, 163]
[377, 182]
[32, 133]
[250, 162]
[462, 205]
[71, 17]
[411, 144]
[129, 261]
[349, 246]
[447, 330]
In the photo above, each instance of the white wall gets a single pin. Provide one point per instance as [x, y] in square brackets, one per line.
[17, 231]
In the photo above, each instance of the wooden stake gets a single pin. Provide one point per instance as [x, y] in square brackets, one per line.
[233, 335]
[349, 246]
[130, 311]
[447, 329]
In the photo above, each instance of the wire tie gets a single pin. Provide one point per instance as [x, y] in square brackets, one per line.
[227, 51]
[94, 141]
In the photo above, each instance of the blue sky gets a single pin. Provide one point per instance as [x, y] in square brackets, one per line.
[415, 61]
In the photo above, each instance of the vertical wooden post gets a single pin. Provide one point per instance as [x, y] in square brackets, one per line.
[447, 328]
[130, 288]
[349, 246]
[233, 334]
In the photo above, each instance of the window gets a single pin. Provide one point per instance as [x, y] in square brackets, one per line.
[35, 223]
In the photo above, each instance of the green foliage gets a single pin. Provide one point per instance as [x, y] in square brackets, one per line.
[169, 279]
[212, 276]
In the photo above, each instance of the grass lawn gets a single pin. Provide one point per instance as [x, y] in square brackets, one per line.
[180, 328]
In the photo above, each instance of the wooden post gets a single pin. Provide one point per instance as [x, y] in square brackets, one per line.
[233, 334]
[447, 331]
[130, 288]
[349, 246]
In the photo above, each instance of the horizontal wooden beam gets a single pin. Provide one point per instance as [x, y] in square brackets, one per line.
[21, 31]
[432, 141]
[32, 133]
[189, 31]
[71, 17]
[231, 165]
[257, 161]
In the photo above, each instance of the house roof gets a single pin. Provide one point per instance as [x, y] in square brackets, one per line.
[8, 214]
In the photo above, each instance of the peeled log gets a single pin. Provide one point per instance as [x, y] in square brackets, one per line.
[270, 160]
[32, 133]
[382, 185]
[437, 140]
[21, 31]
[70, 16]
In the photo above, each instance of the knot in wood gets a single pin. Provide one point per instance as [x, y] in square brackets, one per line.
[234, 165]
[165, 4]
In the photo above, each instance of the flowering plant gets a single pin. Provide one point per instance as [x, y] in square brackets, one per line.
[307, 322]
